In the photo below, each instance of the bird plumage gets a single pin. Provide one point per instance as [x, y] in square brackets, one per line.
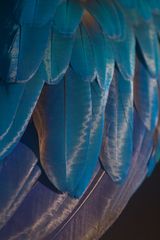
[88, 73]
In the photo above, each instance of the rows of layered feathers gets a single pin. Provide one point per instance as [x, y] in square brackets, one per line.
[96, 64]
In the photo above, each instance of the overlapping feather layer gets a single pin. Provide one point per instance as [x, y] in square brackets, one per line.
[100, 63]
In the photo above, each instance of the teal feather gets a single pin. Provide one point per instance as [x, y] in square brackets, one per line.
[149, 48]
[137, 10]
[155, 6]
[99, 99]
[36, 13]
[144, 10]
[57, 56]
[82, 60]
[25, 108]
[65, 126]
[67, 17]
[156, 18]
[125, 58]
[146, 95]
[109, 18]
[10, 95]
[117, 144]
[103, 52]
[27, 65]
[61, 51]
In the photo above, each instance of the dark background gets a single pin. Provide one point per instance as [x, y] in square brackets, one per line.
[141, 218]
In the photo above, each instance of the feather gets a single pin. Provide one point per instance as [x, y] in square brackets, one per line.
[155, 6]
[82, 60]
[16, 180]
[146, 95]
[64, 150]
[57, 56]
[27, 65]
[8, 32]
[157, 23]
[108, 16]
[117, 144]
[125, 58]
[25, 108]
[67, 17]
[155, 156]
[104, 58]
[144, 10]
[137, 10]
[36, 13]
[149, 48]
[11, 95]
[99, 99]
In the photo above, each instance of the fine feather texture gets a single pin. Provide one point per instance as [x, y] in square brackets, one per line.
[67, 17]
[89, 69]
[146, 96]
[117, 141]
[11, 95]
[106, 14]
[23, 113]
[57, 56]
[77, 46]
[103, 53]
[64, 134]
[16, 179]
[149, 48]
[82, 60]
[35, 13]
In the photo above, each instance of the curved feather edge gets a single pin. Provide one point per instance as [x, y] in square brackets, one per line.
[149, 48]
[26, 106]
[103, 52]
[17, 178]
[125, 58]
[82, 60]
[10, 95]
[146, 96]
[99, 99]
[108, 16]
[117, 147]
[67, 17]
[64, 151]
[35, 13]
[57, 56]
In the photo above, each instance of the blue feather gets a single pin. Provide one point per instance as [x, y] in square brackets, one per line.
[82, 60]
[137, 10]
[11, 95]
[36, 13]
[61, 45]
[117, 145]
[108, 16]
[16, 180]
[155, 6]
[146, 95]
[104, 58]
[99, 98]
[23, 113]
[27, 65]
[64, 112]
[125, 58]
[149, 48]
[67, 17]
